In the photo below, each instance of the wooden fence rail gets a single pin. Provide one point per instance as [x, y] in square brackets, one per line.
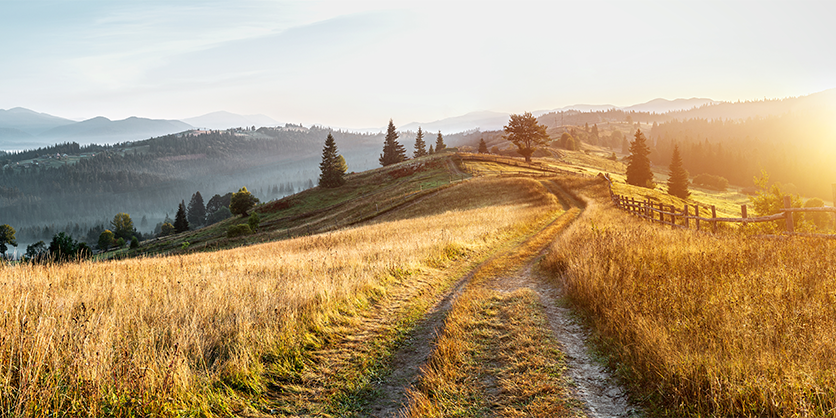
[681, 218]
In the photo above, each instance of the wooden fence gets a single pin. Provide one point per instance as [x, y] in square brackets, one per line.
[682, 218]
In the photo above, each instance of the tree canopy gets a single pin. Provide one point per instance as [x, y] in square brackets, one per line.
[439, 143]
[483, 147]
[181, 223]
[638, 163]
[241, 202]
[420, 145]
[332, 167]
[105, 240]
[524, 131]
[393, 151]
[197, 210]
[7, 237]
[678, 180]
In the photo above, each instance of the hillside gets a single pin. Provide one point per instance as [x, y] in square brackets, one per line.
[265, 329]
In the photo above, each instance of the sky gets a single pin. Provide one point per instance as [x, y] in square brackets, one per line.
[355, 65]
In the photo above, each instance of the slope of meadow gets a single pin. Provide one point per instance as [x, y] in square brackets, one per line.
[210, 333]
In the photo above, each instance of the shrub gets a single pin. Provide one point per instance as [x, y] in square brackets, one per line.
[238, 230]
[711, 181]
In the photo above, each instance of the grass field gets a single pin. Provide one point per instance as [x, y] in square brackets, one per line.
[210, 333]
[701, 325]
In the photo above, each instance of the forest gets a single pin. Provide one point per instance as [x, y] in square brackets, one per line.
[78, 189]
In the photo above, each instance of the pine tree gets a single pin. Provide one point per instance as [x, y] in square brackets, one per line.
[439, 143]
[483, 147]
[638, 163]
[678, 180]
[393, 152]
[197, 210]
[181, 224]
[420, 145]
[332, 167]
[431, 150]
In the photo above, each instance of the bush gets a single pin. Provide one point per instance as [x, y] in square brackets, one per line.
[238, 230]
[711, 181]
[134, 242]
[253, 221]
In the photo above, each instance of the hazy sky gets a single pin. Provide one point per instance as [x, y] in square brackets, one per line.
[357, 64]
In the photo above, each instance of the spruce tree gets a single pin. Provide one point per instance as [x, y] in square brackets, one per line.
[439, 143]
[678, 180]
[638, 163]
[181, 224]
[332, 167]
[197, 210]
[431, 150]
[420, 145]
[393, 151]
[483, 147]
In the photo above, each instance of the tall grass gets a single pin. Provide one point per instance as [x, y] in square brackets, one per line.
[197, 334]
[703, 325]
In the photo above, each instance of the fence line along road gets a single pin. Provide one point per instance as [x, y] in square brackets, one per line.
[669, 214]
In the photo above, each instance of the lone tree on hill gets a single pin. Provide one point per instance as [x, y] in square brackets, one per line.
[393, 151]
[332, 166]
[439, 143]
[7, 237]
[524, 131]
[678, 180]
[197, 210]
[181, 224]
[420, 145]
[241, 202]
[483, 147]
[638, 163]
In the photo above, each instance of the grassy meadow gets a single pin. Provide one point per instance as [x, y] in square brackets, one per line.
[703, 325]
[210, 333]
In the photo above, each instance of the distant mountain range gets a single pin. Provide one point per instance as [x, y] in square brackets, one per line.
[26, 129]
[22, 129]
[492, 121]
[224, 120]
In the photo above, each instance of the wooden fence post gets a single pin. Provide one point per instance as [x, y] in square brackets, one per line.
[697, 214]
[673, 217]
[788, 215]
[833, 186]
[685, 217]
[744, 215]
[661, 215]
[714, 216]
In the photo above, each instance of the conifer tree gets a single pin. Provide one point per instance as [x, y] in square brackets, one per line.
[393, 151]
[483, 147]
[332, 167]
[638, 163]
[678, 180]
[197, 210]
[420, 145]
[431, 150]
[181, 224]
[439, 143]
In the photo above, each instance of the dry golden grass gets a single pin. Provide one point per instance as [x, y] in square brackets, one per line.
[700, 325]
[197, 334]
